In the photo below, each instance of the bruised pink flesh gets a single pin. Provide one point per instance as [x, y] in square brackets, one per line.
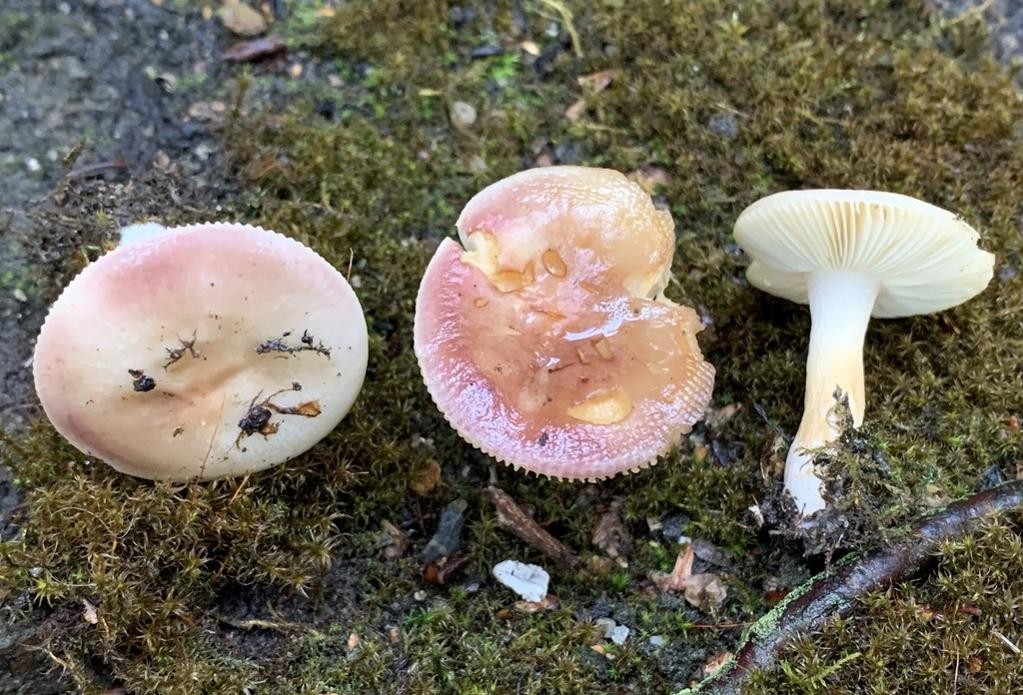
[506, 368]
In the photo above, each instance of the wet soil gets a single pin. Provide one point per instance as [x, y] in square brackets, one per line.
[111, 80]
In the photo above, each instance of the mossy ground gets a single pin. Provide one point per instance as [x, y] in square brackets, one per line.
[729, 105]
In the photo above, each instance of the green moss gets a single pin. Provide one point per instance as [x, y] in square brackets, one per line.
[731, 106]
[939, 634]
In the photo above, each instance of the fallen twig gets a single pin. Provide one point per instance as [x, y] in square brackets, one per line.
[511, 517]
[835, 593]
[99, 169]
[257, 624]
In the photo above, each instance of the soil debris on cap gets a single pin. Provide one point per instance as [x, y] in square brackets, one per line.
[280, 345]
[141, 382]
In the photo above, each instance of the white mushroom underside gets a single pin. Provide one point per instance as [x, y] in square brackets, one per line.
[925, 258]
[851, 255]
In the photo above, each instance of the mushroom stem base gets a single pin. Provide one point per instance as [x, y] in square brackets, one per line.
[840, 305]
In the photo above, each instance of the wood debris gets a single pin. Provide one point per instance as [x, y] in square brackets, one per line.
[511, 517]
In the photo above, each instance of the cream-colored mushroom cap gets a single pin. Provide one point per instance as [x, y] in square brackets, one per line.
[206, 351]
[924, 258]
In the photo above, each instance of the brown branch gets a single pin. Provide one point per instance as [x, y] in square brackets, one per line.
[511, 517]
[836, 593]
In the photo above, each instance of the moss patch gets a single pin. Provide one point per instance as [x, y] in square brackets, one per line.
[730, 106]
[940, 633]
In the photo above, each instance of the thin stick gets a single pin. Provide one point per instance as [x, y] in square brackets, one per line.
[836, 592]
[512, 517]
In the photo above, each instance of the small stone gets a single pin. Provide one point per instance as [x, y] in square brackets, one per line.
[620, 634]
[295, 71]
[463, 114]
[707, 551]
[33, 165]
[19, 294]
[657, 641]
[705, 591]
[530, 47]
[419, 596]
[241, 19]
[672, 526]
[606, 626]
[528, 581]
[449, 532]
[724, 125]
[486, 51]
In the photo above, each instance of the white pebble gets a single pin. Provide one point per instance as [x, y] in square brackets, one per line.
[606, 626]
[620, 634]
[463, 114]
[528, 581]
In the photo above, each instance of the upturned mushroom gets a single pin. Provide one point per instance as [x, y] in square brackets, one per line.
[201, 351]
[851, 255]
[547, 341]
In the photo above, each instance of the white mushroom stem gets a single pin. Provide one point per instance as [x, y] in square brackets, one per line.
[840, 305]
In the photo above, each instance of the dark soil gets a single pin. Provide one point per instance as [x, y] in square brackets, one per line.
[111, 80]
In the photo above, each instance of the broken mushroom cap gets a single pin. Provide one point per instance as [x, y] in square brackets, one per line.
[206, 351]
[546, 341]
[851, 255]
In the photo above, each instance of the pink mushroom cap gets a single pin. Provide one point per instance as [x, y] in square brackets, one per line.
[209, 350]
[547, 342]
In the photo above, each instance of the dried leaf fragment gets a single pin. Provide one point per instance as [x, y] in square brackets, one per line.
[715, 662]
[576, 110]
[426, 478]
[676, 581]
[706, 591]
[245, 51]
[598, 81]
[611, 535]
[89, 613]
[306, 409]
[547, 603]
